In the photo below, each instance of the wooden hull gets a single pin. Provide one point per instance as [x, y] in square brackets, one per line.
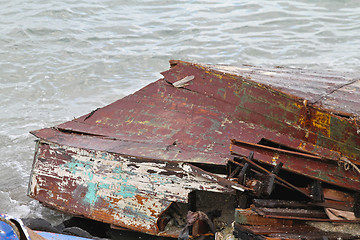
[121, 190]
[125, 164]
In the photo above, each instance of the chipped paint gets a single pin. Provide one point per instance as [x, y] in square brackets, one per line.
[226, 120]
[183, 82]
[136, 193]
[91, 195]
[322, 122]
[125, 168]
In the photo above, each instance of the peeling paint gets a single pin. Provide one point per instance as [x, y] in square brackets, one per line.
[322, 122]
[141, 188]
[127, 168]
[91, 195]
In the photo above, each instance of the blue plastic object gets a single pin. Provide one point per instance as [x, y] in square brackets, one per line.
[12, 228]
[7, 231]
[57, 236]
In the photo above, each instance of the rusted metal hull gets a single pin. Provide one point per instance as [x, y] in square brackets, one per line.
[126, 163]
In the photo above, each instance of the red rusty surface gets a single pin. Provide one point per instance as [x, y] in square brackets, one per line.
[296, 232]
[324, 170]
[250, 217]
[195, 123]
[257, 102]
[289, 213]
[338, 92]
[338, 199]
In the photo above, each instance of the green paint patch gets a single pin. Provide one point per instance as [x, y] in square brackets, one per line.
[91, 196]
[222, 92]
[72, 167]
[119, 174]
[104, 186]
[117, 170]
[137, 213]
[90, 175]
[127, 191]
[76, 166]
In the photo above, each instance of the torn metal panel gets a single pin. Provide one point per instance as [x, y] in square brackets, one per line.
[312, 166]
[268, 180]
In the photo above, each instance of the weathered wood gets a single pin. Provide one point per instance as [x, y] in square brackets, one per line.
[277, 203]
[298, 232]
[113, 188]
[291, 213]
[250, 217]
[126, 162]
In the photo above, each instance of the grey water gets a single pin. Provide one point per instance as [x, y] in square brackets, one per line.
[63, 59]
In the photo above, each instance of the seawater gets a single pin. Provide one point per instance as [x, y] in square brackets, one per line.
[63, 59]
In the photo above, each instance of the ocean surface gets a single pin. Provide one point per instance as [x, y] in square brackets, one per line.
[63, 59]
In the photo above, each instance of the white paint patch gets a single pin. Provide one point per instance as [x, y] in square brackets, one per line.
[226, 120]
[183, 82]
[136, 193]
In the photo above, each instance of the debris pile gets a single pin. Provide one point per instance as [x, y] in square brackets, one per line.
[284, 200]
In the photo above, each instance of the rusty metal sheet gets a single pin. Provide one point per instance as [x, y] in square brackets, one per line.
[290, 213]
[201, 117]
[284, 225]
[291, 116]
[311, 166]
[297, 232]
[250, 217]
[144, 149]
[339, 92]
[341, 200]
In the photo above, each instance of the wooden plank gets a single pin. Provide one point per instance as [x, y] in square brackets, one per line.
[112, 188]
[250, 217]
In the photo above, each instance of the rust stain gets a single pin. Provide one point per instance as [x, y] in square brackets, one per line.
[321, 121]
[153, 212]
[134, 157]
[140, 199]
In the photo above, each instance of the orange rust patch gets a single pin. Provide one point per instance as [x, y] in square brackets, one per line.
[113, 200]
[322, 122]
[140, 199]
[153, 212]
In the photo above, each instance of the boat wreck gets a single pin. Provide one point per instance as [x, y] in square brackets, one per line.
[261, 147]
